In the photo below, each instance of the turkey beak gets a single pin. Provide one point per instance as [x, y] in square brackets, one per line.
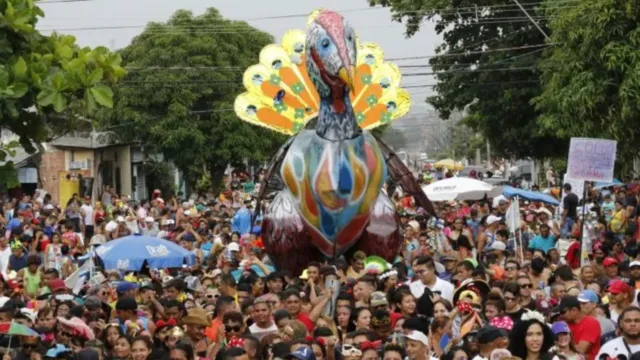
[347, 77]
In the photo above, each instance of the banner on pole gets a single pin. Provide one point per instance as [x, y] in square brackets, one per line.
[591, 159]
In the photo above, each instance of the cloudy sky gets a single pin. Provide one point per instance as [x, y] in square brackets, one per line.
[372, 24]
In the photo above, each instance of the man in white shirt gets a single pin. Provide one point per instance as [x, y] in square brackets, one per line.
[629, 342]
[425, 270]
[262, 321]
[87, 213]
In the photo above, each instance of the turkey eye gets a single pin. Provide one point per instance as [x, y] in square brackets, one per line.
[350, 37]
[325, 43]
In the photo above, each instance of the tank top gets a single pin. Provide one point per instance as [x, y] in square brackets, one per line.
[33, 281]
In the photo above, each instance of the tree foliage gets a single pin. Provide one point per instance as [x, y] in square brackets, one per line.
[461, 143]
[494, 87]
[178, 97]
[47, 83]
[591, 82]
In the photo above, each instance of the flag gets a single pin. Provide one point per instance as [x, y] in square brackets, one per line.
[512, 217]
[76, 280]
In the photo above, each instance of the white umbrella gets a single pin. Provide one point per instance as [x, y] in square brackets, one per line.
[460, 188]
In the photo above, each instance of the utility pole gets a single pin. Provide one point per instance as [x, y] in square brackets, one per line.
[488, 155]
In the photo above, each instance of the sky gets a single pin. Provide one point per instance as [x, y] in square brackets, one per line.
[372, 25]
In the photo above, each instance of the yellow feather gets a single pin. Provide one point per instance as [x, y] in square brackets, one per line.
[283, 68]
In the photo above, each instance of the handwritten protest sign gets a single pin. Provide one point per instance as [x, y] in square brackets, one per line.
[591, 159]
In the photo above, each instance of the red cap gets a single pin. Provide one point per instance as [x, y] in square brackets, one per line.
[57, 284]
[35, 221]
[608, 261]
[618, 287]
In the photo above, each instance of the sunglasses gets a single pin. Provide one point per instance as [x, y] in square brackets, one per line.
[30, 346]
[212, 296]
[233, 328]
[527, 286]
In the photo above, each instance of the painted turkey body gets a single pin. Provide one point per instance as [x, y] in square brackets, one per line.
[333, 171]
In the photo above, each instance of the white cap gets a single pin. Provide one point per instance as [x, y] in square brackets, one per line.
[498, 245]
[492, 219]
[120, 219]
[418, 336]
[148, 219]
[216, 272]
[111, 226]
[29, 313]
[233, 247]
[187, 213]
[634, 263]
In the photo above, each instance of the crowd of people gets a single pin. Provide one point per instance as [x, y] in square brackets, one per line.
[464, 286]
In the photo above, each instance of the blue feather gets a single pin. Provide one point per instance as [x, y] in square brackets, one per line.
[345, 183]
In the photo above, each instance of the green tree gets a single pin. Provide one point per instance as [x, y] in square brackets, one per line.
[461, 143]
[591, 80]
[493, 86]
[178, 97]
[48, 85]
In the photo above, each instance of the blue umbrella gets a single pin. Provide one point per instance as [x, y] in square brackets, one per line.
[130, 252]
[602, 185]
[509, 191]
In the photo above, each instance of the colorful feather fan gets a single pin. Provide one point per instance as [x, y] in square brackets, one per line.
[375, 265]
[281, 97]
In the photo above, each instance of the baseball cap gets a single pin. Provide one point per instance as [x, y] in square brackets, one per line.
[617, 287]
[120, 219]
[567, 302]
[418, 336]
[560, 327]
[489, 333]
[302, 353]
[498, 245]
[233, 247]
[634, 263]
[149, 219]
[588, 296]
[610, 261]
[125, 286]
[492, 219]
[57, 284]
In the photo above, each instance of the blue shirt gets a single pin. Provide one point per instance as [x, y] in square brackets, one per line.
[542, 243]
[242, 221]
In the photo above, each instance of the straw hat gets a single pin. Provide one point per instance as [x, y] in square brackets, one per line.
[197, 316]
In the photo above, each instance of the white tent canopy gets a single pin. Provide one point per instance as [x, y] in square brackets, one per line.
[460, 188]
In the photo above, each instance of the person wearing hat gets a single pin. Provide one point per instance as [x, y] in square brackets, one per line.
[18, 257]
[197, 321]
[585, 329]
[127, 289]
[610, 265]
[487, 237]
[417, 345]
[621, 297]
[589, 302]
[32, 276]
[563, 343]
[490, 338]
[150, 227]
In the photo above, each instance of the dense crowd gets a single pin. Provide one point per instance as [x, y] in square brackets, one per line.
[465, 285]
